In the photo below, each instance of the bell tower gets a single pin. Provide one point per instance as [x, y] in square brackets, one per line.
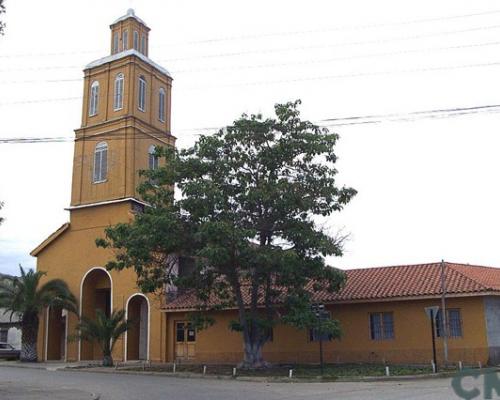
[126, 112]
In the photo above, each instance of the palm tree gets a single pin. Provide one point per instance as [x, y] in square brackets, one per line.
[104, 331]
[23, 295]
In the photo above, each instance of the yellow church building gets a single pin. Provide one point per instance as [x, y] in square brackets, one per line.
[126, 113]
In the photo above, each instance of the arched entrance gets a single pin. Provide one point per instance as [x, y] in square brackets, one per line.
[56, 334]
[137, 337]
[96, 293]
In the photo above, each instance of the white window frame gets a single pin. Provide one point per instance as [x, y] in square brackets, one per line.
[153, 159]
[94, 98]
[136, 40]
[100, 172]
[141, 93]
[116, 43]
[125, 40]
[118, 94]
[161, 104]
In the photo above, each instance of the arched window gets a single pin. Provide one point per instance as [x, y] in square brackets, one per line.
[125, 40]
[161, 105]
[136, 40]
[143, 44]
[141, 101]
[94, 98]
[118, 97]
[153, 158]
[115, 42]
[100, 162]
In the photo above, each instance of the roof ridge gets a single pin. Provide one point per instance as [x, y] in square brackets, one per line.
[394, 266]
[450, 266]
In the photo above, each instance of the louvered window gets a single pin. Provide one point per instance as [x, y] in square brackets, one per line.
[100, 162]
[118, 97]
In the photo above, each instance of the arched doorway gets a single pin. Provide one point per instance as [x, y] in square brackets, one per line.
[96, 293]
[56, 336]
[137, 337]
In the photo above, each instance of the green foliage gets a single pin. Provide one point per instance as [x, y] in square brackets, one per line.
[24, 296]
[253, 197]
[104, 331]
[2, 11]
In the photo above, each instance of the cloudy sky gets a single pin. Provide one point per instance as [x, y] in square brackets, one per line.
[428, 187]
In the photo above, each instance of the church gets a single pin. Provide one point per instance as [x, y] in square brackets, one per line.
[126, 113]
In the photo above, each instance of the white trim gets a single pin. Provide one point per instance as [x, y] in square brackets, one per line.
[101, 203]
[123, 54]
[149, 325]
[81, 293]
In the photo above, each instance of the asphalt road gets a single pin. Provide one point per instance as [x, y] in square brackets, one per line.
[40, 384]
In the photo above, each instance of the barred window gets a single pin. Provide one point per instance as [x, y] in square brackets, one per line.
[381, 326]
[94, 98]
[100, 162]
[316, 336]
[141, 103]
[453, 322]
[118, 97]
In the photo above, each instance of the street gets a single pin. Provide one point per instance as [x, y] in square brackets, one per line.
[41, 384]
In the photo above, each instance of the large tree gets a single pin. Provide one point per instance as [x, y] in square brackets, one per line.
[253, 198]
[25, 296]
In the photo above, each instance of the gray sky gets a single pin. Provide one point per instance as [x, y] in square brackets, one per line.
[427, 188]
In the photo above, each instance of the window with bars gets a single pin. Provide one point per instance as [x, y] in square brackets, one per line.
[453, 322]
[118, 97]
[141, 101]
[316, 336]
[161, 105]
[94, 98]
[381, 326]
[100, 162]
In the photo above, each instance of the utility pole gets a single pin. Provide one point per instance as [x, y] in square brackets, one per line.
[433, 341]
[443, 314]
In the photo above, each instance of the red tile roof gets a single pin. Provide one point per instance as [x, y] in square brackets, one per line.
[382, 283]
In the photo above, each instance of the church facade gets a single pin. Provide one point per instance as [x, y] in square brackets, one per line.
[126, 113]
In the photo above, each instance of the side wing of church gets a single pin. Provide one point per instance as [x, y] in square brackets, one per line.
[126, 113]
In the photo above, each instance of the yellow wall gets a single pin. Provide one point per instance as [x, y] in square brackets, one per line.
[412, 342]
[74, 253]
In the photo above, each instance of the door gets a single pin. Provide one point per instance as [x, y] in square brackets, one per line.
[185, 341]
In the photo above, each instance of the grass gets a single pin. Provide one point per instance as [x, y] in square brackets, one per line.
[330, 371]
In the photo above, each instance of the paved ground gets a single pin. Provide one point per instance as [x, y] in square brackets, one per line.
[41, 384]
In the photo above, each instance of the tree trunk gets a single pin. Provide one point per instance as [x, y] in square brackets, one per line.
[29, 338]
[253, 356]
[107, 360]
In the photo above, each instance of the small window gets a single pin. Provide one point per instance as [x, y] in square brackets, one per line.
[381, 326]
[118, 97]
[161, 105]
[191, 333]
[100, 162]
[94, 98]
[141, 103]
[153, 158]
[453, 321]
[143, 44]
[316, 336]
[115, 42]
[179, 332]
[136, 40]
[4, 333]
[125, 40]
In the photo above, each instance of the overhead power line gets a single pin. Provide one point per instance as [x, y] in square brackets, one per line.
[282, 64]
[278, 34]
[328, 122]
